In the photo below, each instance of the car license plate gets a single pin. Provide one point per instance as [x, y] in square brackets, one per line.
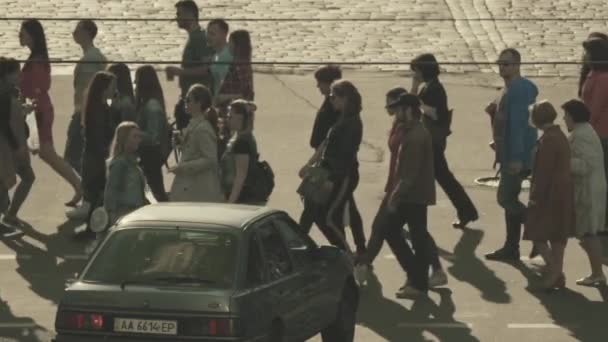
[145, 326]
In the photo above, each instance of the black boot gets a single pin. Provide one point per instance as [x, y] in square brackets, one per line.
[510, 251]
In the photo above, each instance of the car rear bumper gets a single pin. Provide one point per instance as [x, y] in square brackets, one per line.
[100, 338]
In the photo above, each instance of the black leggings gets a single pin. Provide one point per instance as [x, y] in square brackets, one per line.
[330, 217]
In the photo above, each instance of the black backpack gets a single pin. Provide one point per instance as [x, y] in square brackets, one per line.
[260, 181]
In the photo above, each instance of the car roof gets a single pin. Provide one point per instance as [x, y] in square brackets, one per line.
[218, 214]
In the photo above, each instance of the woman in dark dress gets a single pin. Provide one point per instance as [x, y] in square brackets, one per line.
[98, 131]
[550, 218]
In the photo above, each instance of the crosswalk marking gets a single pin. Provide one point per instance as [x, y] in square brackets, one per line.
[535, 326]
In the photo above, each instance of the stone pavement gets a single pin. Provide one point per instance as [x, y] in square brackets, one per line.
[354, 41]
[485, 301]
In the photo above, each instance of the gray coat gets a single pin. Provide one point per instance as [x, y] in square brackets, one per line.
[197, 175]
[587, 167]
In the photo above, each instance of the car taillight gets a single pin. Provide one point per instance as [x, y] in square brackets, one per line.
[79, 321]
[220, 327]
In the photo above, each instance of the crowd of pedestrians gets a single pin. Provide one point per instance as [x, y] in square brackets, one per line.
[120, 134]
[120, 138]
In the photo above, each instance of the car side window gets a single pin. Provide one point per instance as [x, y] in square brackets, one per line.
[255, 264]
[299, 248]
[276, 256]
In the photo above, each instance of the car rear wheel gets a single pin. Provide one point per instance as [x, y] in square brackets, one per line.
[342, 329]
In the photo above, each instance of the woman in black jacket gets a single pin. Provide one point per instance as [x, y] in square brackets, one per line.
[326, 117]
[437, 118]
[97, 124]
[340, 159]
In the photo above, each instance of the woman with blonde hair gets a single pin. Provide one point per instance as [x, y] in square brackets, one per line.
[124, 191]
[197, 176]
[550, 217]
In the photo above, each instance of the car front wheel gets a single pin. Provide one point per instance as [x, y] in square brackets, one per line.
[342, 329]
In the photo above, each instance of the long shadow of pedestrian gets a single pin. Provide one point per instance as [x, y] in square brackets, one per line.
[585, 319]
[395, 323]
[467, 267]
[20, 329]
[47, 270]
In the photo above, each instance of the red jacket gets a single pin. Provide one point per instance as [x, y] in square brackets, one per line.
[594, 96]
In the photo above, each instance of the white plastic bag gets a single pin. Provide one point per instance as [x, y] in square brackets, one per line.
[32, 142]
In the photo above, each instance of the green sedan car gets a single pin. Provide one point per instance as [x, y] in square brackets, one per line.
[209, 272]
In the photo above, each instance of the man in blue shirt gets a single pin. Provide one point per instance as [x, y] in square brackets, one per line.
[514, 140]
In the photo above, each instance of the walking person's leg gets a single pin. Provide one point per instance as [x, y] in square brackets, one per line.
[307, 217]
[6, 232]
[74, 144]
[329, 217]
[556, 279]
[509, 189]
[27, 177]
[62, 168]
[438, 276]
[465, 208]
[417, 222]
[356, 226]
[593, 248]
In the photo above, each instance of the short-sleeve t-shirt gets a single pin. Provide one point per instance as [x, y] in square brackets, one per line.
[238, 144]
[220, 67]
[196, 50]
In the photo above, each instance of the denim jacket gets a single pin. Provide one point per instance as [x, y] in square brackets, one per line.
[124, 190]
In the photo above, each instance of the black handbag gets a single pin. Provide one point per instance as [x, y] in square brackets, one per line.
[313, 187]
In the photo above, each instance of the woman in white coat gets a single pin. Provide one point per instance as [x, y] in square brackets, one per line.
[587, 167]
[197, 175]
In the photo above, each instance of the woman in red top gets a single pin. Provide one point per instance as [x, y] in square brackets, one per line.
[594, 91]
[35, 85]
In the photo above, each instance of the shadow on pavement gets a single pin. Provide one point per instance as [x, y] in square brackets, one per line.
[585, 319]
[395, 323]
[467, 267]
[19, 329]
[47, 270]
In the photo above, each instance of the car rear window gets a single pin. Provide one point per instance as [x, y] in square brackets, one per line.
[152, 255]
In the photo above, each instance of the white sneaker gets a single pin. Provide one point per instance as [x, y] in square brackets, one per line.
[438, 278]
[79, 213]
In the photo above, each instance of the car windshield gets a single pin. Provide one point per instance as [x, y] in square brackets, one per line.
[177, 257]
